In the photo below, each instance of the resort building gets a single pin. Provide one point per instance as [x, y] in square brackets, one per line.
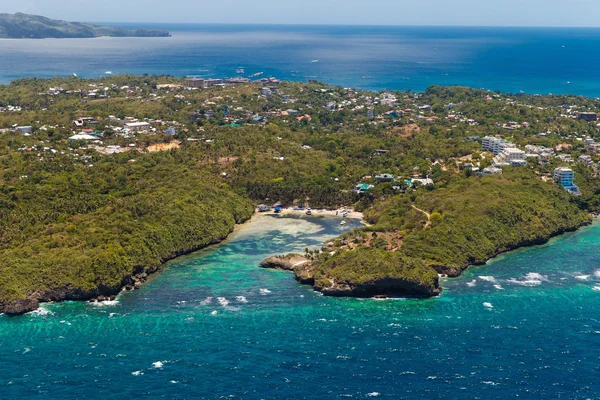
[194, 82]
[213, 82]
[495, 144]
[491, 171]
[137, 126]
[587, 116]
[511, 156]
[565, 176]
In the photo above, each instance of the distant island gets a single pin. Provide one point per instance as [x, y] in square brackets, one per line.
[26, 26]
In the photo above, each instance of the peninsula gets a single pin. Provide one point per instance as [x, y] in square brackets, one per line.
[27, 26]
[103, 180]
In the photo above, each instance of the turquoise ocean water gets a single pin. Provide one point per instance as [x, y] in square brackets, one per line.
[215, 326]
[535, 60]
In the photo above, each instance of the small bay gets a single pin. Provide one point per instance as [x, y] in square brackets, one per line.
[214, 325]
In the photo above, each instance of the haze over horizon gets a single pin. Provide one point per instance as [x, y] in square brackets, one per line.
[523, 13]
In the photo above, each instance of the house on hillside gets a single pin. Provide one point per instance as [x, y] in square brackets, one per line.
[384, 178]
[363, 188]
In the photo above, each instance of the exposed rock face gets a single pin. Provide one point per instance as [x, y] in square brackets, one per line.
[304, 270]
[20, 306]
[381, 288]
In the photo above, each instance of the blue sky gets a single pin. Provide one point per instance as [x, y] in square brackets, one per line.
[347, 12]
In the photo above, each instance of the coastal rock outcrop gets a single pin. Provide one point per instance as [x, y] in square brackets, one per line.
[325, 279]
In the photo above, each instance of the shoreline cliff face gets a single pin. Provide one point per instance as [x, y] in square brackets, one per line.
[381, 275]
[129, 281]
[26, 26]
[361, 273]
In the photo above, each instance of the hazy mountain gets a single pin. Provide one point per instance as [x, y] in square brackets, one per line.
[19, 25]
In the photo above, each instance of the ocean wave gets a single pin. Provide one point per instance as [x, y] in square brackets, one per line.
[472, 283]
[105, 303]
[264, 291]
[488, 305]
[41, 311]
[530, 279]
[582, 277]
[498, 287]
[214, 312]
[157, 364]
[596, 288]
[206, 301]
[488, 279]
[373, 394]
[137, 373]
[222, 301]
[241, 299]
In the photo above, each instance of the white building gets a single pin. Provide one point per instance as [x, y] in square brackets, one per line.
[492, 171]
[495, 144]
[511, 156]
[138, 126]
[24, 129]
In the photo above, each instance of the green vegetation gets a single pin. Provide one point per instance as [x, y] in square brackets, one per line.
[367, 270]
[19, 25]
[89, 229]
[81, 218]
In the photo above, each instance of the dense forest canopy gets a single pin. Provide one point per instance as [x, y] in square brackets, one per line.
[90, 202]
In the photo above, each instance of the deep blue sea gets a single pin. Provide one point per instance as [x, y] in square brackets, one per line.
[534, 60]
[214, 325]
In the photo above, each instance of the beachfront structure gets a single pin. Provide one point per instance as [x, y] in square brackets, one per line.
[194, 82]
[565, 176]
[213, 82]
[511, 156]
[137, 126]
[495, 144]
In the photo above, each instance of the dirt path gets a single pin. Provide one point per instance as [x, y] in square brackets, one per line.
[428, 223]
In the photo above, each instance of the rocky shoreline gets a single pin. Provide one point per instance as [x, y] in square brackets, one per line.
[454, 272]
[129, 282]
[304, 271]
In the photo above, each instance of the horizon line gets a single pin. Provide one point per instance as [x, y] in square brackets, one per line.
[345, 25]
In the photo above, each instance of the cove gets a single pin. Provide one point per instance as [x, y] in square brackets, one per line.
[214, 325]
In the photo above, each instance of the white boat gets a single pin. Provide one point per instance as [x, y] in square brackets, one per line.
[343, 222]
[256, 75]
[240, 70]
[314, 61]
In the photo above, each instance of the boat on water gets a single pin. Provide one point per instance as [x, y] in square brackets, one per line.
[256, 75]
[240, 70]
[314, 61]
[343, 222]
